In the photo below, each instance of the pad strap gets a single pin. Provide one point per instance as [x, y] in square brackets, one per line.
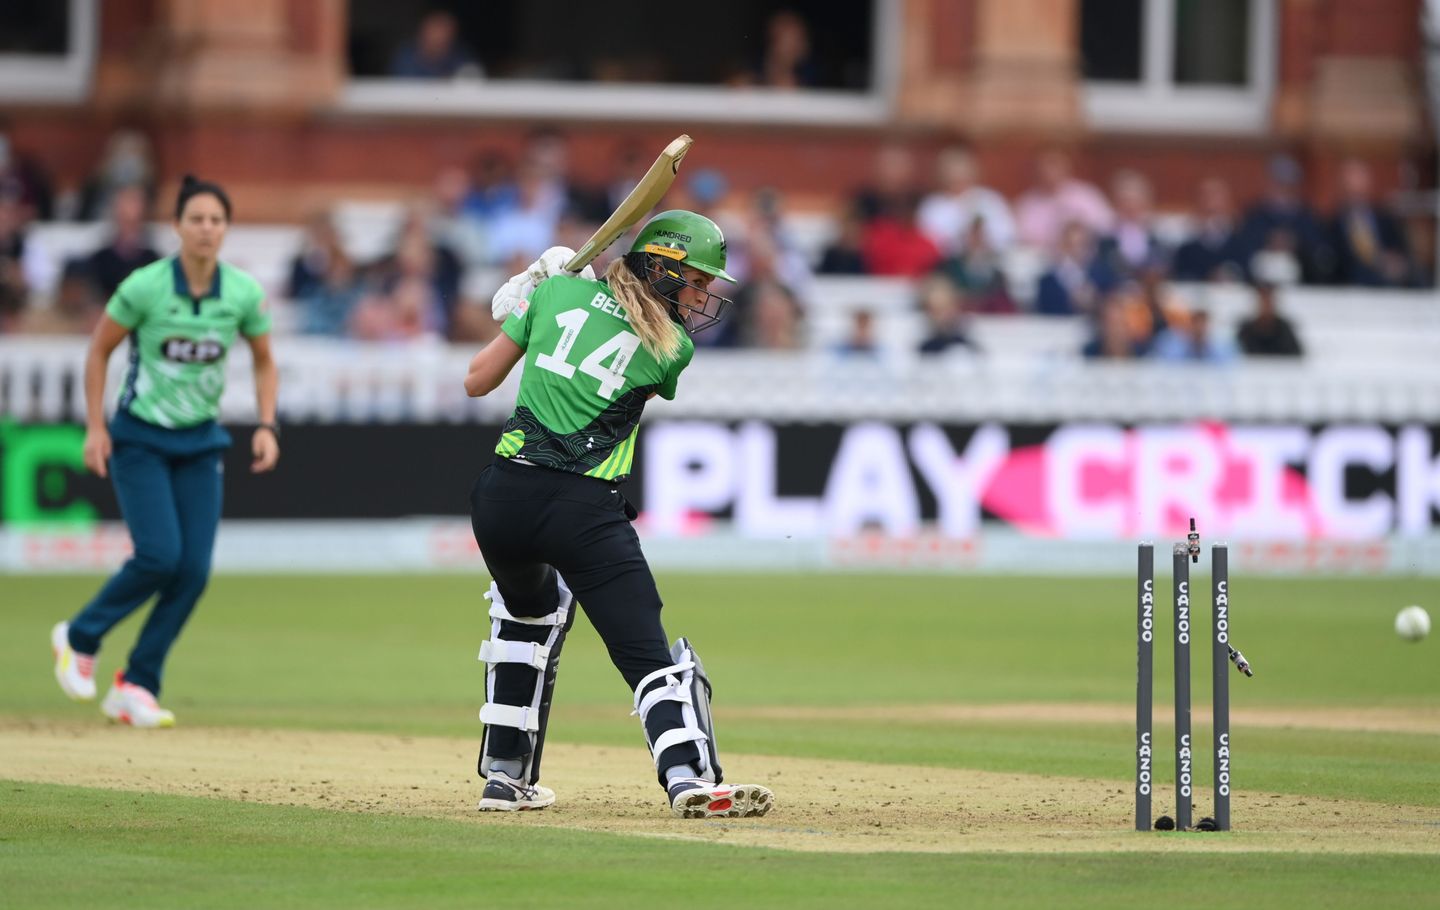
[674, 669]
[556, 618]
[675, 737]
[527, 719]
[671, 691]
[501, 651]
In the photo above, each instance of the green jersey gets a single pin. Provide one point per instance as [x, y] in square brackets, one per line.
[586, 380]
[178, 343]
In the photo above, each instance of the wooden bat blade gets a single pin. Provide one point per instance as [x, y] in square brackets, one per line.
[642, 199]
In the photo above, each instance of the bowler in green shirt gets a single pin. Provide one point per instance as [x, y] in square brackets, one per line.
[164, 445]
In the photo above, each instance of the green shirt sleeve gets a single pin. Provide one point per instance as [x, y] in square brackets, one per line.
[256, 320]
[129, 305]
[672, 379]
[517, 324]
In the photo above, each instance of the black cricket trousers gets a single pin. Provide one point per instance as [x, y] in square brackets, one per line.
[529, 519]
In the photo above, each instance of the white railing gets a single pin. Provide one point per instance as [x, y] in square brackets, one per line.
[346, 382]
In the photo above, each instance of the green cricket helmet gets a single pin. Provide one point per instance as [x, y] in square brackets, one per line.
[680, 238]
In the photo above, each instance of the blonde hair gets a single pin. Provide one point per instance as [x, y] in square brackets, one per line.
[649, 313]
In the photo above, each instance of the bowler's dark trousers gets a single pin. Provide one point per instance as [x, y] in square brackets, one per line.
[169, 486]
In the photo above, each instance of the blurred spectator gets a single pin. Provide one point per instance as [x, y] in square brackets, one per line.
[893, 245]
[844, 255]
[417, 257]
[23, 179]
[23, 264]
[74, 310]
[893, 186]
[1216, 252]
[1277, 261]
[1187, 339]
[128, 162]
[1369, 241]
[436, 52]
[762, 234]
[451, 224]
[787, 61]
[318, 245]
[403, 314]
[12, 304]
[129, 247]
[1115, 337]
[946, 317]
[948, 214]
[324, 281]
[548, 150]
[573, 231]
[327, 308]
[706, 189]
[14, 292]
[1132, 245]
[527, 229]
[1077, 278]
[630, 163]
[860, 342]
[1267, 333]
[1058, 199]
[977, 271]
[492, 187]
[775, 317]
[1151, 304]
[767, 272]
[1280, 223]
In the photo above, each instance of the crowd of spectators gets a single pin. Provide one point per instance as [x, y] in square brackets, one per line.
[784, 59]
[1103, 256]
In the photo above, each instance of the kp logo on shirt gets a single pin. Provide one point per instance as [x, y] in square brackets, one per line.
[188, 350]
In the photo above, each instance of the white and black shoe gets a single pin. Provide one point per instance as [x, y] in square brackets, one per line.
[504, 793]
[695, 798]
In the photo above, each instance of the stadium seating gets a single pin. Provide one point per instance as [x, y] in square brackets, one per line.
[1368, 353]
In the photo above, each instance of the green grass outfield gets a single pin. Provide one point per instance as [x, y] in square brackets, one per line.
[396, 655]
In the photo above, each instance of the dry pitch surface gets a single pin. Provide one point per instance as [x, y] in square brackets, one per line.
[821, 805]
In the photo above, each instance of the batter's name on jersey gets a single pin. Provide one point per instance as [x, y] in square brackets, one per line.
[606, 304]
[188, 350]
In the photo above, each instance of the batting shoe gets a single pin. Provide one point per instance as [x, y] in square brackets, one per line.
[695, 798]
[127, 703]
[75, 672]
[504, 793]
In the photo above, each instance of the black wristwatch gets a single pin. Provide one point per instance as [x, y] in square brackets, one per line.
[274, 428]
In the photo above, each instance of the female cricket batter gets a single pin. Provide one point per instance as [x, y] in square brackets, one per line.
[553, 526]
[164, 446]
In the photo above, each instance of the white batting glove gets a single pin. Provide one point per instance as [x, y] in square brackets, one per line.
[552, 262]
[511, 294]
[519, 287]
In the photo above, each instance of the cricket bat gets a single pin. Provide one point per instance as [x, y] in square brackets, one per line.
[640, 201]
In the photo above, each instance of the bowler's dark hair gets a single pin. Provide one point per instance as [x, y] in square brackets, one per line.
[190, 187]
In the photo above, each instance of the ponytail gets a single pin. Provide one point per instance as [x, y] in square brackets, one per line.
[649, 314]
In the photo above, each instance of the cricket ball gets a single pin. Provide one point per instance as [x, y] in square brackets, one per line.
[1412, 623]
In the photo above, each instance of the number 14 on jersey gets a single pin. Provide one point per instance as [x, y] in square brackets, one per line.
[619, 350]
